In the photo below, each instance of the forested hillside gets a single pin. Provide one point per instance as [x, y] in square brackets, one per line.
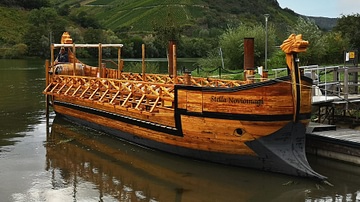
[200, 28]
[325, 23]
[195, 15]
[11, 30]
[30, 21]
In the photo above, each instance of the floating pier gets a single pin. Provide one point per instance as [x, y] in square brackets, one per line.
[340, 144]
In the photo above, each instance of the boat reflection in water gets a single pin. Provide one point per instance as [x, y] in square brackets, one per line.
[97, 166]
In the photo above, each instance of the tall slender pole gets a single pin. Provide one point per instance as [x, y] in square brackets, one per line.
[174, 61]
[222, 62]
[119, 63]
[47, 65]
[143, 64]
[266, 38]
[74, 60]
[100, 60]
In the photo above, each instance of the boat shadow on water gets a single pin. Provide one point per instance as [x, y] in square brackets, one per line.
[126, 172]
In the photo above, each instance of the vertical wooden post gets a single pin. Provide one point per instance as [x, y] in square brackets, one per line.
[249, 59]
[174, 64]
[143, 65]
[74, 61]
[103, 70]
[47, 72]
[47, 83]
[248, 53]
[121, 66]
[265, 74]
[52, 54]
[100, 59]
[187, 77]
[250, 76]
[52, 58]
[296, 86]
[119, 63]
[170, 57]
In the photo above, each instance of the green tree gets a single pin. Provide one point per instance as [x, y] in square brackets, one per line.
[110, 37]
[336, 44]
[43, 23]
[94, 36]
[8, 2]
[85, 20]
[17, 51]
[151, 50]
[33, 4]
[212, 61]
[167, 30]
[137, 42]
[76, 34]
[194, 47]
[64, 10]
[232, 44]
[277, 60]
[349, 27]
[27, 4]
[310, 32]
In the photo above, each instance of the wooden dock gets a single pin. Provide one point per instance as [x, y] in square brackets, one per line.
[340, 144]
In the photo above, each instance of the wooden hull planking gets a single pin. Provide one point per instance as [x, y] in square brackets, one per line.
[225, 125]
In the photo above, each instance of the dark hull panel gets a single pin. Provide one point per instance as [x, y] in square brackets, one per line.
[284, 152]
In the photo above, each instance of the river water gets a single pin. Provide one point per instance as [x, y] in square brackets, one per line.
[55, 160]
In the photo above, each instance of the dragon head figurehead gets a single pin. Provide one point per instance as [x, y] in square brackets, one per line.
[294, 44]
[66, 39]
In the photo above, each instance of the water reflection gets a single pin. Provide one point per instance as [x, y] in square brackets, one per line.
[344, 177]
[85, 159]
[20, 101]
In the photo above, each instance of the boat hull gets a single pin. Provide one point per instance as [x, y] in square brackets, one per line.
[282, 151]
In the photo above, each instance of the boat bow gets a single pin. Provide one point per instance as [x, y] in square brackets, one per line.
[284, 152]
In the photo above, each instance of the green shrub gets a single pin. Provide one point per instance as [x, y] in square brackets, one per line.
[17, 51]
[277, 60]
[136, 67]
[232, 43]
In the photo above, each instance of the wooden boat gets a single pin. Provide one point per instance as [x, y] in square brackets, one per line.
[242, 123]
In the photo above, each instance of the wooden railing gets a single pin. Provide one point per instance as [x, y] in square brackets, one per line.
[129, 94]
[195, 81]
